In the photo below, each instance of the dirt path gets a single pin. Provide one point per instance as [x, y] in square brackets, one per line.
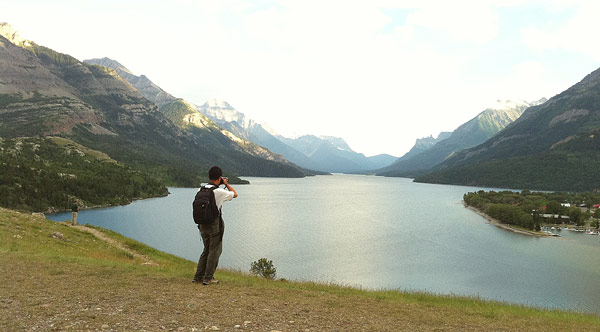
[101, 236]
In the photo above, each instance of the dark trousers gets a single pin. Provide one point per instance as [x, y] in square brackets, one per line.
[212, 237]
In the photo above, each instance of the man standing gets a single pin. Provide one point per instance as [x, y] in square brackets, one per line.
[212, 233]
[74, 209]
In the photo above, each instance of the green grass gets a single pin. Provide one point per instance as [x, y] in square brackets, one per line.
[82, 260]
[471, 305]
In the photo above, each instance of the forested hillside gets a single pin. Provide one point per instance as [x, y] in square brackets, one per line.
[49, 174]
[570, 166]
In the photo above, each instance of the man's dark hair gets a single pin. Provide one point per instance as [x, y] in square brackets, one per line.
[215, 173]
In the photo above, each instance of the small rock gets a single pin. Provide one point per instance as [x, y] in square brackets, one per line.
[17, 236]
[237, 326]
[181, 329]
[104, 326]
[58, 235]
[214, 328]
[246, 322]
[275, 331]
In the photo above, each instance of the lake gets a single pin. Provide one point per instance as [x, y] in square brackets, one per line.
[373, 232]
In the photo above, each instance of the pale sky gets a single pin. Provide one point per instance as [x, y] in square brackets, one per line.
[378, 73]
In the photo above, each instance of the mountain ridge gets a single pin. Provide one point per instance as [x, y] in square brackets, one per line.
[553, 145]
[324, 153]
[141, 83]
[471, 133]
[44, 92]
[186, 115]
[423, 144]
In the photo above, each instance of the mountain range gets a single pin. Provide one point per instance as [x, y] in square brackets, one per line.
[185, 114]
[102, 106]
[552, 146]
[475, 131]
[332, 154]
[320, 154]
[44, 92]
[325, 153]
[141, 83]
[424, 144]
[216, 114]
[236, 122]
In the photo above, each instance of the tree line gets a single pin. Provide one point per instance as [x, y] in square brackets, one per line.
[527, 209]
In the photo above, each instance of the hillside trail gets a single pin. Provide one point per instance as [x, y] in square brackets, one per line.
[101, 236]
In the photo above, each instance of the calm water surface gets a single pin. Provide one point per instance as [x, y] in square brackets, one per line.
[373, 232]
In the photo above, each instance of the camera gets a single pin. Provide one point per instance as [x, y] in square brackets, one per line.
[223, 179]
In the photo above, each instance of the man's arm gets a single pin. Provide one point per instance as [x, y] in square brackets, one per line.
[230, 188]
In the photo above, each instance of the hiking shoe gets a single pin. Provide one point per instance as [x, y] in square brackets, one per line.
[212, 281]
[196, 281]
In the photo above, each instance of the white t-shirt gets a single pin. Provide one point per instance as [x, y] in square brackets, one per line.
[221, 195]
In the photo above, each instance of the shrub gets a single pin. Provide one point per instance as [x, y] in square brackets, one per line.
[263, 268]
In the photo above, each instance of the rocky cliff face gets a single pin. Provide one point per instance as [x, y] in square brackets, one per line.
[8, 32]
[33, 100]
[221, 112]
[423, 144]
[145, 86]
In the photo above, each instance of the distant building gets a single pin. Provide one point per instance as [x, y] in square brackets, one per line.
[555, 218]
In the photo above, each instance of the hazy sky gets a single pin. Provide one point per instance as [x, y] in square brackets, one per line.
[378, 73]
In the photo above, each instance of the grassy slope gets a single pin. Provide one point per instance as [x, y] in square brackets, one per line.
[85, 283]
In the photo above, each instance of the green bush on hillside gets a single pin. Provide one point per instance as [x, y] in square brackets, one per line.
[263, 268]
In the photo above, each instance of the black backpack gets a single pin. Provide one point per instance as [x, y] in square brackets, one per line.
[205, 207]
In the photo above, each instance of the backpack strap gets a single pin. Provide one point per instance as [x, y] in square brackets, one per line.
[213, 189]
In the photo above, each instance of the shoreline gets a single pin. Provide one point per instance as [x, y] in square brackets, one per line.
[100, 206]
[74, 260]
[507, 227]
